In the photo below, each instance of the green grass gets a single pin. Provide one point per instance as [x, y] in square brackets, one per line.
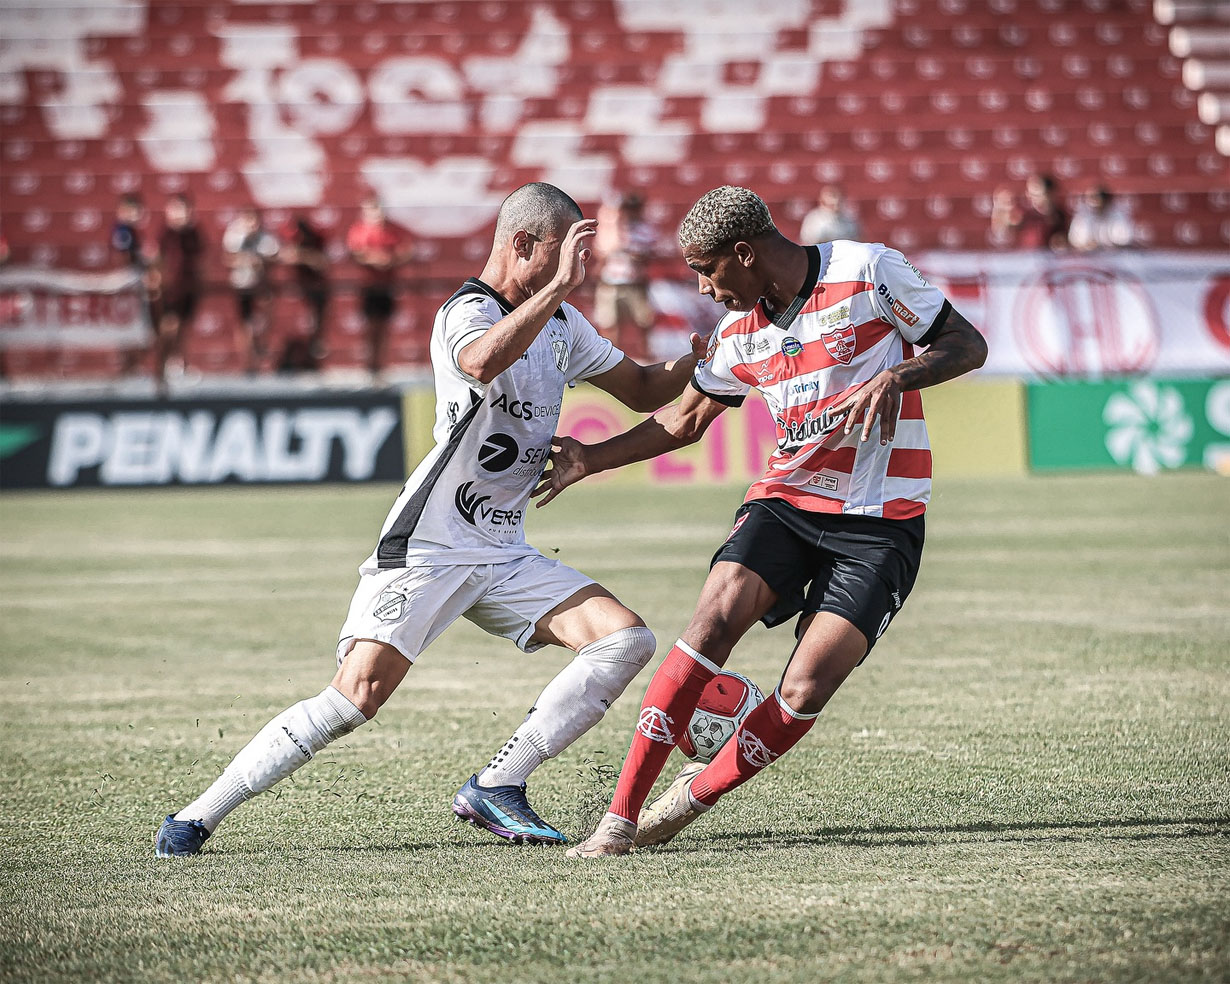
[1028, 781]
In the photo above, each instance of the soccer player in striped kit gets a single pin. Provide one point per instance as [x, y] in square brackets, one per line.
[833, 532]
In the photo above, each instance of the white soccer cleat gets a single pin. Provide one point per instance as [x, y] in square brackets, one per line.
[662, 819]
[614, 837]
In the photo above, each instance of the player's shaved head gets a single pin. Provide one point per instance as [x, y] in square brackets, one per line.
[538, 208]
[724, 215]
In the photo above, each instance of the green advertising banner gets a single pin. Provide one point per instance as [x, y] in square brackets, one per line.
[1144, 425]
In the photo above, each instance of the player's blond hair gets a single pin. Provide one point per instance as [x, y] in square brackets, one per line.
[724, 215]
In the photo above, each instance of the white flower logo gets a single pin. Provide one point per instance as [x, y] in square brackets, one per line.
[1149, 428]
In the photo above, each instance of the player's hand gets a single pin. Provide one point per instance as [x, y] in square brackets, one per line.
[880, 397]
[575, 252]
[567, 468]
[700, 345]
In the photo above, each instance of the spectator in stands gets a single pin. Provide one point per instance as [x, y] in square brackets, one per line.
[625, 244]
[126, 241]
[175, 279]
[378, 249]
[1101, 221]
[303, 247]
[126, 232]
[1043, 222]
[1005, 213]
[249, 249]
[831, 219]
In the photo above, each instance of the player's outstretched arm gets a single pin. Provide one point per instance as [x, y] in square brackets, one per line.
[646, 388]
[957, 348]
[669, 429]
[504, 342]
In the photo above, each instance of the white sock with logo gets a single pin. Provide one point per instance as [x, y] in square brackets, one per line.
[571, 704]
[279, 748]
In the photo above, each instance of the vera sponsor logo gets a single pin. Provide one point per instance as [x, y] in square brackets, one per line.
[159, 447]
[474, 509]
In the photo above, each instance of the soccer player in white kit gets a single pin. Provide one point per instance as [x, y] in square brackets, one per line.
[833, 532]
[503, 348]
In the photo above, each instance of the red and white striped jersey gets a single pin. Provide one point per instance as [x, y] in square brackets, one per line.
[861, 309]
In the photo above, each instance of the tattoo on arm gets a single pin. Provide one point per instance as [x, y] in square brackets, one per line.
[958, 348]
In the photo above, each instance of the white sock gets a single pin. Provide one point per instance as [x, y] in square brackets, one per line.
[571, 704]
[279, 748]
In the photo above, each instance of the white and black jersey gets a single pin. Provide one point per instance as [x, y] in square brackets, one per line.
[465, 502]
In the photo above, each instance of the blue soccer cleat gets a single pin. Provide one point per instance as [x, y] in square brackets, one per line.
[179, 838]
[504, 811]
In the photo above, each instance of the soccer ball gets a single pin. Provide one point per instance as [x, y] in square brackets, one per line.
[727, 700]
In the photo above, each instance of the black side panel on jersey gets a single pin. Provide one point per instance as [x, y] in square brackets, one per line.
[392, 549]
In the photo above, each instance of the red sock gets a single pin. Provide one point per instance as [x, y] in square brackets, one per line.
[769, 731]
[669, 702]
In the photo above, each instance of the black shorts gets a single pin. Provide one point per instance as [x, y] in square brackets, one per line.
[859, 567]
[376, 302]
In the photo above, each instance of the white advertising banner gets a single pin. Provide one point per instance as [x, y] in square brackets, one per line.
[1048, 316]
[1090, 316]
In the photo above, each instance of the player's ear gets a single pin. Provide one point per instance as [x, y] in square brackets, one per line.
[745, 253]
[522, 243]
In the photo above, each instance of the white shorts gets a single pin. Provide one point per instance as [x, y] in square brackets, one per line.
[408, 608]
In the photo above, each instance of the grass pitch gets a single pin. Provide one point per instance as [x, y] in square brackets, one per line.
[1028, 781]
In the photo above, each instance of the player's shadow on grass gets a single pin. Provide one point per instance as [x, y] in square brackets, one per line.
[1054, 831]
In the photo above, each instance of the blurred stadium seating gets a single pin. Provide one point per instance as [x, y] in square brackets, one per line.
[920, 109]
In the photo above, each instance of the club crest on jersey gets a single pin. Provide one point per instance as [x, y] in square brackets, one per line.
[389, 606]
[559, 346]
[655, 724]
[840, 344]
[791, 346]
